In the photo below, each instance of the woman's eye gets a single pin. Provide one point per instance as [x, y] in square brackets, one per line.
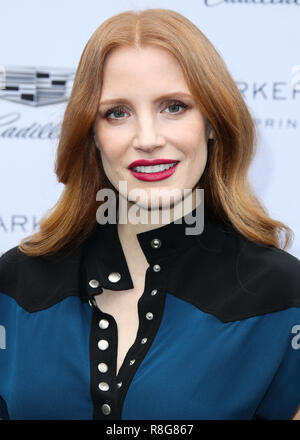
[176, 104]
[114, 110]
[118, 111]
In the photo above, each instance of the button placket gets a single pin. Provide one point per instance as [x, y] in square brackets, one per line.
[155, 244]
[146, 315]
[102, 385]
[106, 391]
[102, 367]
[102, 344]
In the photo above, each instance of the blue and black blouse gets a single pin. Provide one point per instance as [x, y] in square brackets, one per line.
[218, 336]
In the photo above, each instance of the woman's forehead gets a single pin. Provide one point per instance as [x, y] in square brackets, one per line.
[133, 71]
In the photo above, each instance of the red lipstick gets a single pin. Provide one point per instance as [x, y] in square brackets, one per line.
[145, 162]
[151, 177]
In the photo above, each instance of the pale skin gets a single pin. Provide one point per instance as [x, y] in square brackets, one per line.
[297, 415]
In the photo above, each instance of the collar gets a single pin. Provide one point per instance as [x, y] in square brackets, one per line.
[104, 261]
[218, 271]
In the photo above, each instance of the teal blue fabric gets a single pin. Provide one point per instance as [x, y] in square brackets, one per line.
[197, 367]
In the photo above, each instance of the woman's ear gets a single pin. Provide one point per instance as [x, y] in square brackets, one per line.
[95, 138]
[210, 132]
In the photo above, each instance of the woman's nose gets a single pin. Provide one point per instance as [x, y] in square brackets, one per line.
[147, 135]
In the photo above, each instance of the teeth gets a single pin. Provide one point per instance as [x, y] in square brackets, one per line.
[154, 169]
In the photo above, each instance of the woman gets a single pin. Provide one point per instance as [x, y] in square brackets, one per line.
[133, 320]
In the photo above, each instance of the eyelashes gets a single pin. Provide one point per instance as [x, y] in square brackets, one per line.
[121, 109]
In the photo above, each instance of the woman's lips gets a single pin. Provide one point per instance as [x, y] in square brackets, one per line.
[151, 177]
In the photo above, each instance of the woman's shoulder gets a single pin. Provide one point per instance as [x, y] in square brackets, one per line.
[34, 281]
[238, 278]
[277, 268]
[14, 262]
[268, 278]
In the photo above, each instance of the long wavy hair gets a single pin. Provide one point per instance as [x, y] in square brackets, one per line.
[78, 165]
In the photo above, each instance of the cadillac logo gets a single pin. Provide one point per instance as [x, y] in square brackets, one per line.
[36, 86]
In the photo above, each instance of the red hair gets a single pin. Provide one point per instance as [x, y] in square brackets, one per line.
[225, 179]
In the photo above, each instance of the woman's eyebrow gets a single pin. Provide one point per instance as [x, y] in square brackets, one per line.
[165, 96]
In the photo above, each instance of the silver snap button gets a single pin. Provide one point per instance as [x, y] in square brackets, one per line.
[103, 386]
[155, 243]
[102, 367]
[103, 323]
[132, 362]
[153, 292]
[156, 267]
[94, 283]
[149, 315]
[114, 277]
[119, 384]
[92, 302]
[144, 340]
[106, 409]
[103, 344]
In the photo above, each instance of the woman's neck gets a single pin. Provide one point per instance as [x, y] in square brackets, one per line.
[128, 230]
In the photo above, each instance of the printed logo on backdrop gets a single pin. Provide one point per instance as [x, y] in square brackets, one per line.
[18, 223]
[39, 86]
[279, 91]
[212, 3]
[35, 86]
[30, 87]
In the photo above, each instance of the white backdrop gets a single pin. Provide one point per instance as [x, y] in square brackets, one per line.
[258, 40]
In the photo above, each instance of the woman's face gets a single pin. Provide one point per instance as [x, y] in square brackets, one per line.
[136, 120]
